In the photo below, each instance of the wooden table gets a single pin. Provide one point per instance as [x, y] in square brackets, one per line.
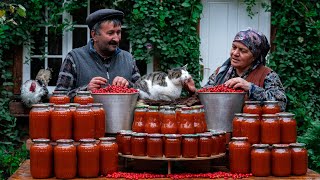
[24, 173]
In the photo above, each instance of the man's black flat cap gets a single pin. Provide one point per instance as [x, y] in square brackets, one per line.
[103, 14]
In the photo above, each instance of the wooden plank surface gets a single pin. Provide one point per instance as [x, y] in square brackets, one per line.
[24, 173]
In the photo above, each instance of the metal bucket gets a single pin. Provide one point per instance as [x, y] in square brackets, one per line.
[220, 108]
[119, 110]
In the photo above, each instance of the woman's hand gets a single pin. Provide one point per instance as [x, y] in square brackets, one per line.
[120, 81]
[238, 83]
[96, 83]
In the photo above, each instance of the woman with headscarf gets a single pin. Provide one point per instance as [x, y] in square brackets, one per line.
[246, 69]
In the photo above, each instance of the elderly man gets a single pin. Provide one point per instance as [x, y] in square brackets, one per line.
[101, 61]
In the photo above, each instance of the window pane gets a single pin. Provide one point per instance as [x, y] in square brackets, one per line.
[54, 64]
[79, 16]
[54, 42]
[39, 41]
[79, 37]
[124, 43]
[36, 65]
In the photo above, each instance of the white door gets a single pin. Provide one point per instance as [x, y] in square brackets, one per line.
[220, 21]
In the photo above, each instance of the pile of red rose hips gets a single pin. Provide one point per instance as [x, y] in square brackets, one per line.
[220, 88]
[114, 89]
[214, 175]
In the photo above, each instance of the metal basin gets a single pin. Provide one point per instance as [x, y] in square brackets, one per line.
[119, 110]
[220, 108]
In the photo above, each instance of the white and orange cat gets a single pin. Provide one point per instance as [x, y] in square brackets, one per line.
[162, 86]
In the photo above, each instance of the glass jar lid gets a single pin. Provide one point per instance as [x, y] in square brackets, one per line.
[280, 145]
[87, 140]
[157, 135]
[301, 145]
[41, 140]
[65, 141]
[285, 114]
[239, 138]
[172, 136]
[260, 146]
[107, 139]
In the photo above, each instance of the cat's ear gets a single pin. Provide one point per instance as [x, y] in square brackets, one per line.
[185, 67]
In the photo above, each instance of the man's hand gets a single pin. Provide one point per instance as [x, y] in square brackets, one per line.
[120, 81]
[189, 85]
[96, 83]
[238, 83]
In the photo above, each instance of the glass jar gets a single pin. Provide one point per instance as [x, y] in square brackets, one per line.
[88, 158]
[270, 129]
[108, 153]
[250, 128]
[155, 145]
[39, 124]
[203, 117]
[65, 159]
[152, 120]
[139, 119]
[138, 144]
[161, 113]
[125, 142]
[205, 144]
[84, 123]
[260, 160]
[186, 121]
[59, 97]
[50, 106]
[236, 125]
[83, 98]
[172, 146]
[169, 125]
[41, 154]
[178, 112]
[197, 120]
[288, 126]
[190, 145]
[222, 142]
[299, 159]
[239, 155]
[281, 160]
[252, 107]
[216, 144]
[99, 119]
[270, 107]
[61, 122]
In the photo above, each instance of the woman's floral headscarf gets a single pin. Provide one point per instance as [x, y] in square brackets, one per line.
[259, 46]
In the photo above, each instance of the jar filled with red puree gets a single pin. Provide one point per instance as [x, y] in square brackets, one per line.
[239, 155]
[155, 145]
[65, 159]
[205, 144]
[139, 119]
[270, 107]
[172, 146]
[138, 144]
[83, 98]
[99, 120]
[281, 160]
[216, 142]
[260, 160]
[88, 158]
[153, 124]
[250, 128]
[190, 145]
[197, 120]
[223, 141]
[270, 129]
[61, 122]
[299, 159]
[236, 125]
[59, 97]
[41, 158]
[252, 107]
[125, 142]
[84, 123]
[169, 124]
[288, 126]
[39, 121]
[108, 154]
[178, 112]
[186, 121]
